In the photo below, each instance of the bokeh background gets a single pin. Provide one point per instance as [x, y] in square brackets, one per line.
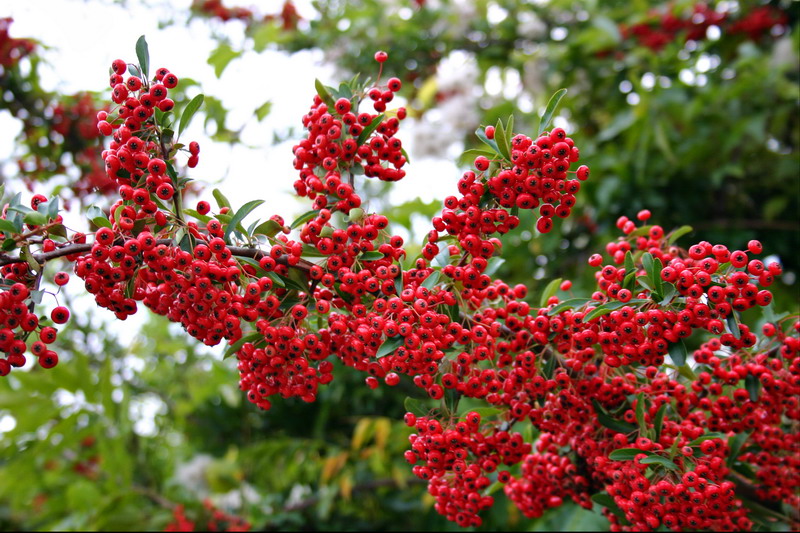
[689, 109]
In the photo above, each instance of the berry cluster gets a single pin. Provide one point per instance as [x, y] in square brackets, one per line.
[209, 519]
[660, 29]
[19, 294]
[137, 158]
[11, 49]
[455, 461]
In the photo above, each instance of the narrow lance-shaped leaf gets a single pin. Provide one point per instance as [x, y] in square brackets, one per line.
[305, 217]
[367, 131]
[610, 422]
[502, 140]
[481, 134]
[549, 291]
[222, 201]
[678, 352]
[678, 233]
[371, 256]
[236, 346]
[658, 423]
[143, 55]
[389, 346]
[659, 460]
[188, 113]
[550, 110]
[568, 304]
[626, 454]
[240, 214]
[324, 94]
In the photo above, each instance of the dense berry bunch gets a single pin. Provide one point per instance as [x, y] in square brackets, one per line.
[21, 329]
[662, 28]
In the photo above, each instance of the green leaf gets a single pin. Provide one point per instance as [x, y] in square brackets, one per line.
[443, 257]
[687, 372]
[7, 226]
[544, 123]
[98, 217]
[398, 281]
[626, 454]
[630, 266]
[735, 444]
[645, 282]
[221, 57]
[323, 93]
[240, 214]
[509, 130]
[678, 233]
[186, 243]
[371, 256]
[605, 500]
[569, 304]
[489, 142]
[753, 386]
[36, 296]
[222, 201]
[415, 406]
[660, 461]
[270, 228]
[733, 325]
[669, 291]
[263, 110]
[205, 219]
[367, 131]
[8, 245]
[305, 217]
[658, 422]
[494, 265]
[610, 422]
[431, 280]
[143, 54]
[549, 366]
[236, 346]
[276, 280]
[608, 307]
[708, 436]
[658, 283]
[640, 406]
[389, 346]
[292, 284]
[678, 352]
[549, 291]
[647, 262]
[35, 218]
[474, 153]
[502, 140]
[264, 34]
[629, 281]
[188, 113]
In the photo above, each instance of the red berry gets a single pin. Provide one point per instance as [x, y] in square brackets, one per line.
[60, 315]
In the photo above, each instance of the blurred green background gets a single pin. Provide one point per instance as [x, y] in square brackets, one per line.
[690, 110]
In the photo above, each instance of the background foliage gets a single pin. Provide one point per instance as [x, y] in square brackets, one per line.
[702, 131]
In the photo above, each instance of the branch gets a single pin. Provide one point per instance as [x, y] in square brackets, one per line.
[74, 248]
